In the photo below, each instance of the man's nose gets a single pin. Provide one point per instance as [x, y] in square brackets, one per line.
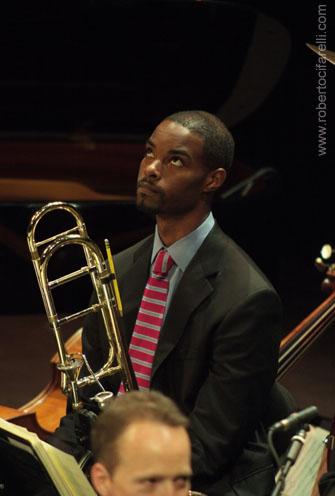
[168, 490]
[153, 169]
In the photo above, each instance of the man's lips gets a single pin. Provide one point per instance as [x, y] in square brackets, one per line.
[147, 187]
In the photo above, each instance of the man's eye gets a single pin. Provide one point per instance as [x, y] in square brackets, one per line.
[176, 162]
[150, 482]
[182, 482]
[148, 152]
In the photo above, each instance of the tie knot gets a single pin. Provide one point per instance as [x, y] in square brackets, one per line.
[163, 263]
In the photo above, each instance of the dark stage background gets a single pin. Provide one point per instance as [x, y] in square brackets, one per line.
[80, 75]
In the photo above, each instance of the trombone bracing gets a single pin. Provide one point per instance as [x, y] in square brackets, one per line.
[102, 276]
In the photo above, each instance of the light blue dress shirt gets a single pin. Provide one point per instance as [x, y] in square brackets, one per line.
[182, 252]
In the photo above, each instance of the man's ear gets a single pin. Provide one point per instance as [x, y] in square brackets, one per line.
[214, 180]
[101, 479]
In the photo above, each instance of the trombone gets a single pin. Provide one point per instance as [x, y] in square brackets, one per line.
[108, 303]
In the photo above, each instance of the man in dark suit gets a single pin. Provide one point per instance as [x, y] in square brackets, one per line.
[218, 346]
[219, 332]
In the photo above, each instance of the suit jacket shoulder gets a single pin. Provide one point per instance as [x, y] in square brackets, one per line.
[227, 264]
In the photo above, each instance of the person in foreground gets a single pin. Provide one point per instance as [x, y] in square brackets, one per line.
[141, 446]
[202, 322]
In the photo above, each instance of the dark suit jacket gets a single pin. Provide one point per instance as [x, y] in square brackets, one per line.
[216, 357]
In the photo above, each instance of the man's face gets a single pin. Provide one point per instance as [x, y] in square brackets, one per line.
[154, 459]
[172, 177]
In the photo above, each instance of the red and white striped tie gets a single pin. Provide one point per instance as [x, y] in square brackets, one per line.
[150, 320]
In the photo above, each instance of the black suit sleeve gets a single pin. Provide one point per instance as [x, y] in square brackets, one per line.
[242, 369]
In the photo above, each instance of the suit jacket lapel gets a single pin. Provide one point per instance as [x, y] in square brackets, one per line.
[193, 288]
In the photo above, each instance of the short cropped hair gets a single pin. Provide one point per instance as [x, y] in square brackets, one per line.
[121, 412]
[218, 149]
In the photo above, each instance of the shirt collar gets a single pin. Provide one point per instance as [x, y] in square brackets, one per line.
[183, 250]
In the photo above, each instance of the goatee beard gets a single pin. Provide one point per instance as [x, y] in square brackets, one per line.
[150, 210]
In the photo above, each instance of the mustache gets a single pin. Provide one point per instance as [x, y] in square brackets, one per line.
[150, 185]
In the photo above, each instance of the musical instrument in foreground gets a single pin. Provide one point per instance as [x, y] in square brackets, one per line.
[102, 277]
[298, 341]
[325, 263]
